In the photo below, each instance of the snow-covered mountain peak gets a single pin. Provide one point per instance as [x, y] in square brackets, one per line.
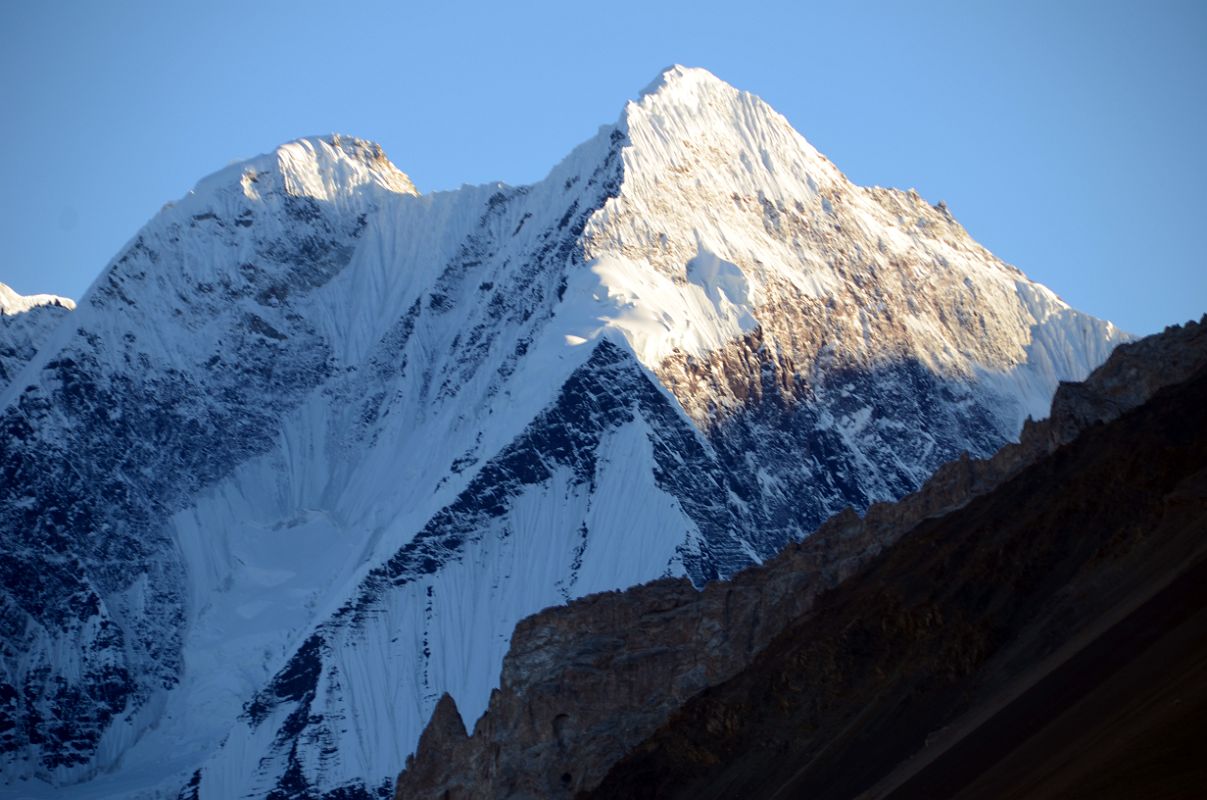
[325, 168]
[13, 303]
[321, 167]
[727, 221]
[677, 77]
[688, 119]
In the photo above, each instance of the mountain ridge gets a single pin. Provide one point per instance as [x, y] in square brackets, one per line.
[591, 690]
[321, 425]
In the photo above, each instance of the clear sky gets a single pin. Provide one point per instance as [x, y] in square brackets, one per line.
[1069, 137]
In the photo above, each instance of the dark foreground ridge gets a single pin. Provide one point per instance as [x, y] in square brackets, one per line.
[1122, 718]
[1024, 604]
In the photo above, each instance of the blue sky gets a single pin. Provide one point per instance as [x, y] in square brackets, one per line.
[1070, 138]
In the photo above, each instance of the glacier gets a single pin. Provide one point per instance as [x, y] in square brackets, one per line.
[314, 442]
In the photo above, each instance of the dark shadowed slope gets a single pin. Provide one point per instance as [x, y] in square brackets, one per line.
[1122, 718]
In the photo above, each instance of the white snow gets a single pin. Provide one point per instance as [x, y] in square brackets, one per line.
[13, 303]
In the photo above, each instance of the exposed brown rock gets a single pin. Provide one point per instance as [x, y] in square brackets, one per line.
[586, 683]
[443, 729]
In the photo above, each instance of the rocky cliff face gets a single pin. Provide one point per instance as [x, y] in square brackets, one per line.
[314, 439]
[584, 685]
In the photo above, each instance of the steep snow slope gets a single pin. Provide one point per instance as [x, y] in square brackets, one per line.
[316, 443]
[26, 322]
[177, 366]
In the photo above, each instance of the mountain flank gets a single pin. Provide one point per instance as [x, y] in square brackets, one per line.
[877, 639]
